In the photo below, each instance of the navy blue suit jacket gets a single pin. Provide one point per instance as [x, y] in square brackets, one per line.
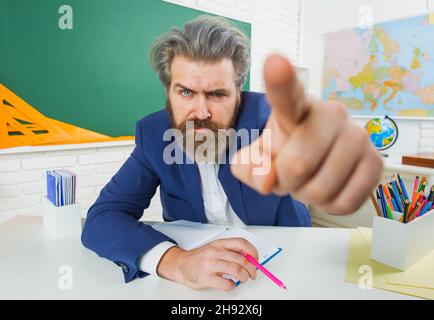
[112, 228]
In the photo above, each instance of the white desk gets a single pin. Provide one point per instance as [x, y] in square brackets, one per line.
[312, 265]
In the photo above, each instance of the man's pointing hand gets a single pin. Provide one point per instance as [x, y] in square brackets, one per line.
[315, 152]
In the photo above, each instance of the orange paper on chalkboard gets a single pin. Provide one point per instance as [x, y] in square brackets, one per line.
[23, 125]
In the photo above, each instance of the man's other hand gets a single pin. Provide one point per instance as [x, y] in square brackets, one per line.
[204, 267]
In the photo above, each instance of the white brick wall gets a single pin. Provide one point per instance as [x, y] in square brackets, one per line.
[23, 183]
[426, 142]
[275, 27]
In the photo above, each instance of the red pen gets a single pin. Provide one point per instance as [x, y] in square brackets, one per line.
[264, 271]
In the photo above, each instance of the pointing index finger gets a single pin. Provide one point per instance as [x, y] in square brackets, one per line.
[285, 92]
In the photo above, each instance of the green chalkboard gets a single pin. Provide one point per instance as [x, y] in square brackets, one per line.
[96, 76]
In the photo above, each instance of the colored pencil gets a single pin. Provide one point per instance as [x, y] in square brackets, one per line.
[416, 185]
[402, 184]
[375, 203]
[389, 198]
[425, 209]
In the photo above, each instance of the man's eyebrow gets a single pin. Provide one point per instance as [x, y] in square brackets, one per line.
[178, 85]
[220, 90]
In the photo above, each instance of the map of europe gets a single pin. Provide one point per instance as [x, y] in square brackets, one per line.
[386, 70]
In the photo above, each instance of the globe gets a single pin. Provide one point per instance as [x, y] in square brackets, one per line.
[383, 132]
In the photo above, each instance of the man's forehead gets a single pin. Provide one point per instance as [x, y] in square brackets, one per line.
[203, 75]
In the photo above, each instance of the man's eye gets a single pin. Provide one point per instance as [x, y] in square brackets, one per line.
[217, 94]
[186, 93]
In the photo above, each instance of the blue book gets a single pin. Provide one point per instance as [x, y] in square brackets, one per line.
[62, 197]
[71, 184]
[61, 187]
[58, 188]
[51, 187]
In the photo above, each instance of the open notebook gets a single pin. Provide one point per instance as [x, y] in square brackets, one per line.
[190, 235]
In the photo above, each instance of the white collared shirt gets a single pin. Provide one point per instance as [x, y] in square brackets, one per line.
[217, 211]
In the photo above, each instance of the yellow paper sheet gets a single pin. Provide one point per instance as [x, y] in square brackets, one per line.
[359, 255]
[419, 275]
[431, 18]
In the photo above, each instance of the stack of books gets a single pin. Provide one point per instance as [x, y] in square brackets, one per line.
[61, 187]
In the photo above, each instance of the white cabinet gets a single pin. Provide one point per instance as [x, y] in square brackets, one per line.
[363, 216]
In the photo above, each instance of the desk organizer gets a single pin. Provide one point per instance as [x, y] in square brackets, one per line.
[61, 221]
[400, 245]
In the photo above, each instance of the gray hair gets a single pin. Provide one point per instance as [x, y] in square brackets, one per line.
[205, 38]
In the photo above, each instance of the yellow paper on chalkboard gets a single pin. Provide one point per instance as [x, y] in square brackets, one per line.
[419, 275]
[359, 257]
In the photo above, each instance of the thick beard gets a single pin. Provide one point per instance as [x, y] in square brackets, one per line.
[204, 151]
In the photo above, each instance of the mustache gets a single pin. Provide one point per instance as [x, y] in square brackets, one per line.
[198, 123]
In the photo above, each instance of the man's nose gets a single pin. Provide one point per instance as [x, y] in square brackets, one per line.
[201, 111]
